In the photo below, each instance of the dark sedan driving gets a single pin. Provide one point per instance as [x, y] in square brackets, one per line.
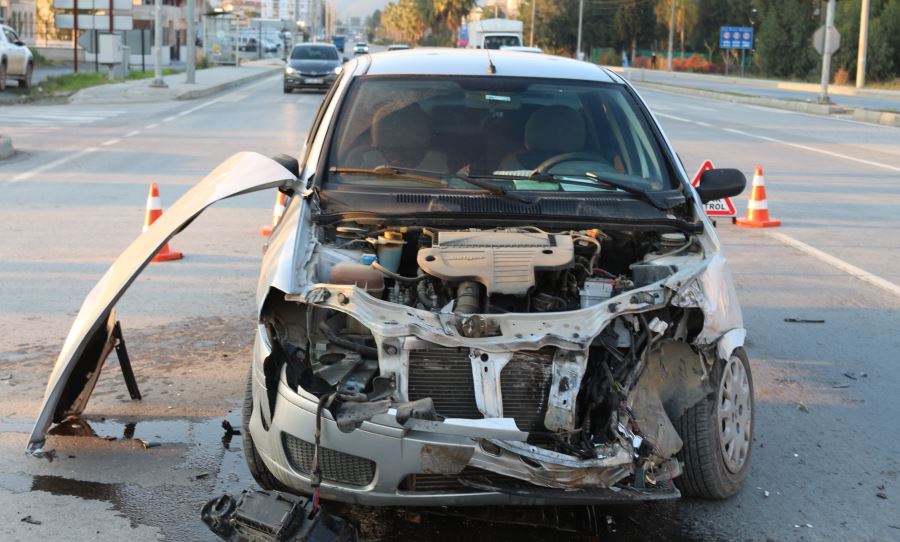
[311, 66]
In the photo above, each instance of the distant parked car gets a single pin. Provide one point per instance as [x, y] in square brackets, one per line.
[398, 47]
[16, 61]
[312, 65]
[361, 48]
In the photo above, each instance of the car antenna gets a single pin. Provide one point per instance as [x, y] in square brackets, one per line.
[491, 68]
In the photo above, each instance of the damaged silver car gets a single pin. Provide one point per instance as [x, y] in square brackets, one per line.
[492, 284]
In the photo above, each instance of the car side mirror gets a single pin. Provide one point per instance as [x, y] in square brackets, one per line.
[720, 183]
[289, 163]
[20, 43]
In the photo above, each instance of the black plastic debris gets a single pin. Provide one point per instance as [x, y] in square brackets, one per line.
[264, 516]
[804, 321]
[31, 520]
[229, 429]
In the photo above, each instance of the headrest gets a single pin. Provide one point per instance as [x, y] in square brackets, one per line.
[406, 128]
[555, 129]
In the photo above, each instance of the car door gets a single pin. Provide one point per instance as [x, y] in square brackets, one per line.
[17, 55]
[90, 339]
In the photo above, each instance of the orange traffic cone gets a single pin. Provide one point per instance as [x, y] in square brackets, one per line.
[154, 211]
[757, 207]
[277, 213]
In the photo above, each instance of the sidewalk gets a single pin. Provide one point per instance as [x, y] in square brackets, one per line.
[209, 81]
[866, 105]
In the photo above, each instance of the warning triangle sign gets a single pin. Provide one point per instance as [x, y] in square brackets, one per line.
[719, 207]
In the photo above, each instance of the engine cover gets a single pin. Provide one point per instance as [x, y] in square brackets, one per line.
[504, 262]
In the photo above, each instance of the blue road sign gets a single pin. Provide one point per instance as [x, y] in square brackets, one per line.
[736, 37]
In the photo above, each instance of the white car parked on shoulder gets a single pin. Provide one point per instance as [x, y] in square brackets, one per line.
[16, 61]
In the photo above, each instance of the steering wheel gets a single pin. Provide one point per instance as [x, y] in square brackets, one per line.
[545, 166]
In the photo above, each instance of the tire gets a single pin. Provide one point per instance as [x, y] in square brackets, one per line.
[2, 76]
[25, 82]
[258, 469]
[711, 469]
[288, 90]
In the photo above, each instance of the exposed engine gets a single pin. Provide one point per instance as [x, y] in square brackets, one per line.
[571, 382]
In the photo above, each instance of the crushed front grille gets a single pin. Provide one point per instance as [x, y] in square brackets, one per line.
[336, 466]
[445, 375]
[451, 483]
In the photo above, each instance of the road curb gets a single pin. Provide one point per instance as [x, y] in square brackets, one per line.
[6, 147]
[204, 92]
[862, 115]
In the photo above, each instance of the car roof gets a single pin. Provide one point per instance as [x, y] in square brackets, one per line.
[314, 44]
[447, 61]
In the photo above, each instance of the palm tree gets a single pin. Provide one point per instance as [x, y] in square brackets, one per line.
[448, 14]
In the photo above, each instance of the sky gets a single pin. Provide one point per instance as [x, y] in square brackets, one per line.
[358, 8]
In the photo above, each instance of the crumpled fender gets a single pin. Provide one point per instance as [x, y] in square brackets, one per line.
[75, 373]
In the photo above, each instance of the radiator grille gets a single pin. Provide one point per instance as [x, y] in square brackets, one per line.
[525, 386]
[445, 375]
[336, 466]
[450, 483]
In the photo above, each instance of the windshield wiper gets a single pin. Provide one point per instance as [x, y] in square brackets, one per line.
[478, 180]
[392, 173]
[664, 199]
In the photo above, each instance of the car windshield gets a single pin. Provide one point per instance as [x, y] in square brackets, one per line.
[498, 129]
[314, 52]
[496, 42]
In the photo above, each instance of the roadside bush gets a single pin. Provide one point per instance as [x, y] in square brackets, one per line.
[609, 57]
[841, 76]
[694, 63]
[642, 62]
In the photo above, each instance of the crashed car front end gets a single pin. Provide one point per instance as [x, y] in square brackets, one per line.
[498, 372]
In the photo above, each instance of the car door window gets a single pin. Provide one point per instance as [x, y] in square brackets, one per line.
[11, 35]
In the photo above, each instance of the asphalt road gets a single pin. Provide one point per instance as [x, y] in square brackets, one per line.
[826, 435]
[881, 101]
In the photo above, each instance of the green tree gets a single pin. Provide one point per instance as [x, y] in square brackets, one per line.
[884, 42]
[784, 37]
[685, 18]
[636, 24]
[447, 15]
[404, 21]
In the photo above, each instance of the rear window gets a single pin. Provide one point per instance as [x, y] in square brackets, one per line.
[496, 42]
[314, 52]
[501, 127]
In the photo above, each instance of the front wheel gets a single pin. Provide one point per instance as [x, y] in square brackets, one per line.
[718, 433]
[25, 81]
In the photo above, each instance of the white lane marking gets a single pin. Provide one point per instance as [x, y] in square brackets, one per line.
[673, 117]
[132, 133]
[837, 263]
[774, 109]
[820, 151]
[151, 126]
[789, 144]
[25, 175]
[702, 108]
[110, 142]
[704, 124]
[169, 119]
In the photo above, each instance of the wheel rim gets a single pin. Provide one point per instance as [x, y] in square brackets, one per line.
[735, 414]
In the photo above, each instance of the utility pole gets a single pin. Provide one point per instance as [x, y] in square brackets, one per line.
[578, 53]
[826, 56]
[191, 41]
[671, 36]
[157, 43]
[296, 18]
[533, 11]
[863, 45]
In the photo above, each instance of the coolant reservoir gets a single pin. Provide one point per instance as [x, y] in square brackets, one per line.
[360, 274]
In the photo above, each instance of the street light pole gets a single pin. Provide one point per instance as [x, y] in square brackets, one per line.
[671, 36]
[191, 41]
[826, 55]
[578, 53]
[863, 45]
[157, 44]
[533, 11]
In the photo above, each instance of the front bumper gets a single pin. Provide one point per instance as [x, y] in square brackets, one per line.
[380, 462]
[293, 81]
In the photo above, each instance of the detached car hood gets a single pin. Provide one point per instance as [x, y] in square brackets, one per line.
[89, 341]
